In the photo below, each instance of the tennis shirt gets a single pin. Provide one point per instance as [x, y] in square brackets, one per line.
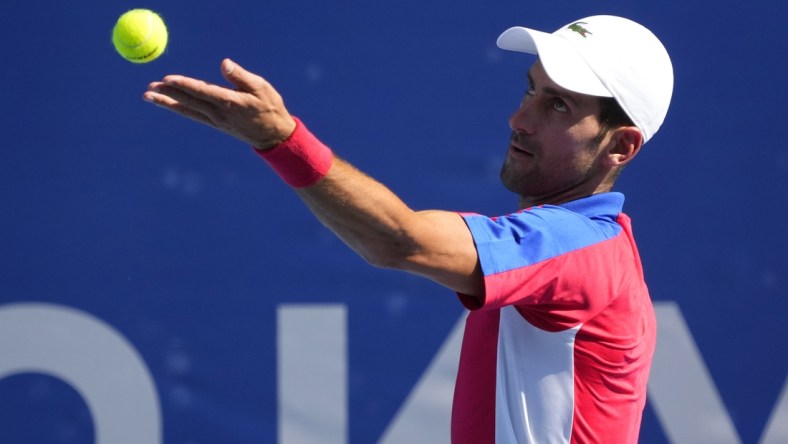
[560, 347]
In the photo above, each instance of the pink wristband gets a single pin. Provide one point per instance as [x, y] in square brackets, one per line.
[301, 160]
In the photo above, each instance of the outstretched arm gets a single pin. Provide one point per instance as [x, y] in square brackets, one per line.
[366, 215]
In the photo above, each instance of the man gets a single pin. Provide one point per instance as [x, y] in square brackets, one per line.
[560, 337]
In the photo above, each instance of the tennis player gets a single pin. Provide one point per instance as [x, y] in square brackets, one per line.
[561, 330]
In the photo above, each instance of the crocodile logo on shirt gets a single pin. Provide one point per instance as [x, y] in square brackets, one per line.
[576, 27]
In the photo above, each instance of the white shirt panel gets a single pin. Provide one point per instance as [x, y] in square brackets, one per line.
[534, 394]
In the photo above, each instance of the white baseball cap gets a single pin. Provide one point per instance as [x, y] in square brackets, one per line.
[605, 56]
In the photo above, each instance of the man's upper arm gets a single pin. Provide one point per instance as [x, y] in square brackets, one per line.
[447, 253]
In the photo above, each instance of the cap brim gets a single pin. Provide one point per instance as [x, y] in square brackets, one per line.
[562, 63]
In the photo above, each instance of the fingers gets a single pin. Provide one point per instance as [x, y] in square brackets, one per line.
[207, 97]
[254, 112]
[240, 77]
[162, 100]
[173, 95]
[199, 89]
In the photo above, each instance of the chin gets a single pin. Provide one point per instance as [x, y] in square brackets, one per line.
[512, 180]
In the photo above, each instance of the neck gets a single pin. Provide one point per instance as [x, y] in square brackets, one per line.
[563, 196]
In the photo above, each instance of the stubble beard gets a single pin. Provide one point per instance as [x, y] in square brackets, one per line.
[519, 180]
[529, 181]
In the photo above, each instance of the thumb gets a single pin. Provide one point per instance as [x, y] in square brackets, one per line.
[238, 76]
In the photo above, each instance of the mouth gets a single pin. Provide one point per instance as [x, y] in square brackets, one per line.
[518, 147]
[518, 150]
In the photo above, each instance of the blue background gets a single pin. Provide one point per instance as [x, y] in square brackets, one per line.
[182, 240]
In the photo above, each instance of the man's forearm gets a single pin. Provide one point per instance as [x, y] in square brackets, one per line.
[365, 214]
[382, 229]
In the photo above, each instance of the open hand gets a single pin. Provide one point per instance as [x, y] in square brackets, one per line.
[253, 112]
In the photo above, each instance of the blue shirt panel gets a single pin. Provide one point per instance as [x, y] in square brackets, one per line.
[540, 233]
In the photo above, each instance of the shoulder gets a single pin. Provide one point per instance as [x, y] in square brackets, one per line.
[540, 233]
[557, 222]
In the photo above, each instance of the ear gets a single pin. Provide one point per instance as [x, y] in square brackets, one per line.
[625, 144]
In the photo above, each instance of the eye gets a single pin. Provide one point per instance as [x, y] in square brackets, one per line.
[529, 92]
[560, 106]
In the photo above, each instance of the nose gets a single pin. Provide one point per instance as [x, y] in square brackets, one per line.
[522, 119]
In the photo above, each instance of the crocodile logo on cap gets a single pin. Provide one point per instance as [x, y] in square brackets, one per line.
[576, 27]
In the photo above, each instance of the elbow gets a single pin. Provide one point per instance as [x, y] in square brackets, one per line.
[386, 261]
[395, 257]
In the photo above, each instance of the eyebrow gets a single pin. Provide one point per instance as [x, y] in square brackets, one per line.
[554, 92]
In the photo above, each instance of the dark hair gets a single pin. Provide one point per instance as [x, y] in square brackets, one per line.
[611, 115]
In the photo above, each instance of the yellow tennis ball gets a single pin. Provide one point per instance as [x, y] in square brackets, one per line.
[140, 36]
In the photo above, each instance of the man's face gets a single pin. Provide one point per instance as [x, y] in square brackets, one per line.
[552, 156]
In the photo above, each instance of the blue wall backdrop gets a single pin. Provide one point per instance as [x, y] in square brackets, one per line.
[181, 243]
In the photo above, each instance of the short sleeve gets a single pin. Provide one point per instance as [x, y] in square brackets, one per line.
[541, 258]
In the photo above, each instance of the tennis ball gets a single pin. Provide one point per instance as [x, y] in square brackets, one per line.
[140, 36]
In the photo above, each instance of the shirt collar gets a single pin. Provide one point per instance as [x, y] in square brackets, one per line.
[603, 204]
